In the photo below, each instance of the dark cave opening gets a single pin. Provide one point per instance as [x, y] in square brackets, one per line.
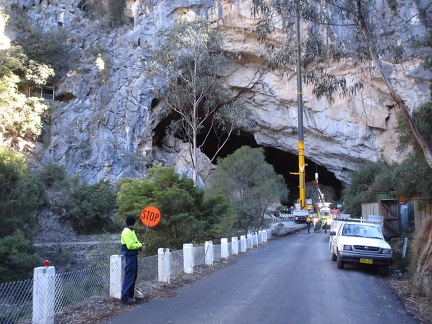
[283, 162]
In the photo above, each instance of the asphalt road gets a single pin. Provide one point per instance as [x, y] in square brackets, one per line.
[286, 280]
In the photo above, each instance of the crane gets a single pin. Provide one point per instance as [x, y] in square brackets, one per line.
[303, 205]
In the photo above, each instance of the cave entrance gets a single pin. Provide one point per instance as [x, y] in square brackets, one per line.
[283, 162]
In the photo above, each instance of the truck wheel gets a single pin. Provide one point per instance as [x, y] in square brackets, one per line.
[340, 264]
[334, 257]
[384, 270]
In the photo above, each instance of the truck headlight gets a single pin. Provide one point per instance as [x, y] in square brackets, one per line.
[386, 251]
[344, 247]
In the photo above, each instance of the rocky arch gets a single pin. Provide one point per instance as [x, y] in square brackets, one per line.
[283, 162]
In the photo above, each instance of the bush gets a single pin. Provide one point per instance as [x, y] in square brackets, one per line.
[91, 207]
[18, 256]
[20, 195]
[366, 182]
[52, 174]
[48, 48]
[187, 216]
[250, 184]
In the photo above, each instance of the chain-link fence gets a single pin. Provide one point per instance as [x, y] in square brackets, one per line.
[59, 291]
[176, 262]
[74, 286]
[16, 301]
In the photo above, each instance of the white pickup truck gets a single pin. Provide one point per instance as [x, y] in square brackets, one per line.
[355, 242]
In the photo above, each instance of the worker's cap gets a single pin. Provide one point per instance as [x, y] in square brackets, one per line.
[130, 220]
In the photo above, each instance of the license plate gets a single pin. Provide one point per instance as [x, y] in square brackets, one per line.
[368, 261]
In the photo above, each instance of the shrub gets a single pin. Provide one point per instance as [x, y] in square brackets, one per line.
[53, 173]
[187, 216]
[91, 207]
[18, 256]
[366, 182]
[20, 194]
[250, 184]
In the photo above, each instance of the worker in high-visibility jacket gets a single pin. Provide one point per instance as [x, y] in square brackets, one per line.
[324, 224]
[130, 247]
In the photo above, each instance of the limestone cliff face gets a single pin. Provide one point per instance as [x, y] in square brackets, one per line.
[104, 129]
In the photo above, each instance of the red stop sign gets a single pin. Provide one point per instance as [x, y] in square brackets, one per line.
[151, 216]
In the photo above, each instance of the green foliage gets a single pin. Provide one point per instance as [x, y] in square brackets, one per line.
[250, 183]
[187, 216]
[18, 256]
[19, 115]
[410, 178]
[48, 50]
[91, 208]
[20, 194]
[412, 175]
[422, 118]
[366, 182]
[220, 216]
[53, 173]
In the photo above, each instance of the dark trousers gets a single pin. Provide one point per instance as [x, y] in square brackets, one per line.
[308, 225]
[131, 271]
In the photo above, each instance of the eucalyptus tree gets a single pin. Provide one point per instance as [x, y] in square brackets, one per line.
[250, 183]
[363, 31]
[192, 64]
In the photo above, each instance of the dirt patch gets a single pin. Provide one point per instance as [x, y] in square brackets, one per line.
[419, 306]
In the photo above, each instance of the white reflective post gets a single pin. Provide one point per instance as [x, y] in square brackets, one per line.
[43, 295]
[117, 268]
[164, 265]
[188, 258]
[209, 255]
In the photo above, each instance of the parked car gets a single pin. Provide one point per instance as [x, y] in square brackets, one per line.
[361, 243]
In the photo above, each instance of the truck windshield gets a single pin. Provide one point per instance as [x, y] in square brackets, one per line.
[360, 230]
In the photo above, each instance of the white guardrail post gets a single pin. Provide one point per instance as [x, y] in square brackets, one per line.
[224, 248]
[243, 245]
[164, 265]
[43, 295]
[260, 235]
[209, 255]
[255, 239]
[249, 241]
[265, 235]
[234, 245]
[117, 268]
[188, 258]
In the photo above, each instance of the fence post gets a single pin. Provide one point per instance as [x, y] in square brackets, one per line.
[209, 257]
[243, 245]
[188, 258]
[117, 268]
[255, 239]
[269, 234]
[164, 265]
[43, 295]
[260, 240]
[249, 241]
[234, 245]
[264, 236]
[224, 248]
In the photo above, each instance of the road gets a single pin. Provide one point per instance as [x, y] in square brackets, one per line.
[287, 280]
